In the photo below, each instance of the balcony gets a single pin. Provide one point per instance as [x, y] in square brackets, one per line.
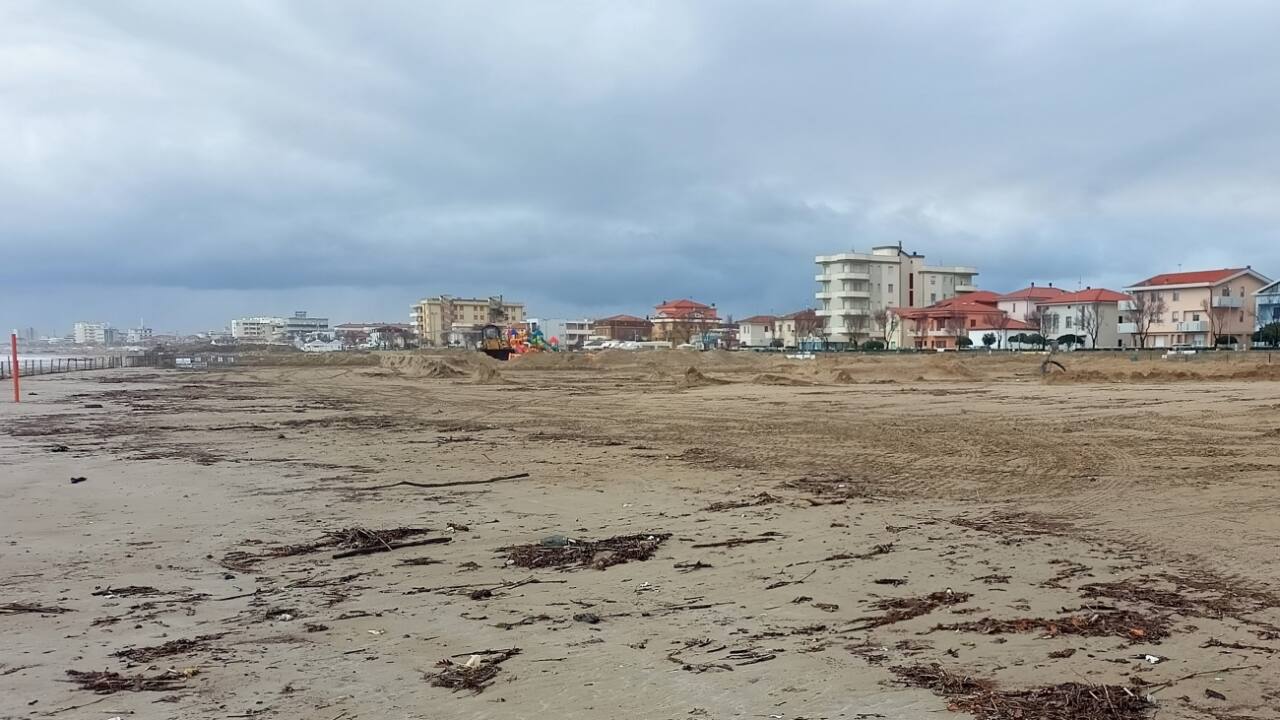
[1193, 327]
[1125, 306]
[966, 288]
[840, 312]
[1220, 301]
[825, 295]
[1127, 328]
[851, 275]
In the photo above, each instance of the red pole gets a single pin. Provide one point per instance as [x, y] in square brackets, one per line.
[13, 344]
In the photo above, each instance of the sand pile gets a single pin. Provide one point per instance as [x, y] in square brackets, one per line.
[776, 379]
[843, 377]
[488, 375]
[421, 366]
[694, 378]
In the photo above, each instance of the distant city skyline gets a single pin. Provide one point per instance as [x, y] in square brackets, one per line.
[197, 161]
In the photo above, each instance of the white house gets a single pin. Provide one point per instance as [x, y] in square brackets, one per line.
[1092, 313]
[758, 331]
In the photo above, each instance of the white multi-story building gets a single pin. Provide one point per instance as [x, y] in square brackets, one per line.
[257, 329]
[87, 333]
[137, 335]
[853, 287]
[300, 325]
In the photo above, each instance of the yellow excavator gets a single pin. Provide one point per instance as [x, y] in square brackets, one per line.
[494, 343]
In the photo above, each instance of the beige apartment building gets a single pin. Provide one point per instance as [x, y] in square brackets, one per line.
[1199, 308]
[447, 320]
[853, 287]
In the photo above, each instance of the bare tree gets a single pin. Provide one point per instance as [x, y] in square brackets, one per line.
[1002, 323]
[1147, 309]
[954, 325]
[1219, 319]
[1040, 319]
[1090, 323]
[887, 322]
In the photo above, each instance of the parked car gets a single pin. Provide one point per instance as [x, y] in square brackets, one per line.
[1177, 350]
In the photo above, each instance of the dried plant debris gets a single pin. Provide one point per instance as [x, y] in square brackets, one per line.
[106, 683]
[476, 674]
[126, 591]
[15, 608]
[897, 610]
[763, 498]
[835, 487]
[1130, 625]
[598, 554]
[352, 538]
[173, 647]
[1066, 701]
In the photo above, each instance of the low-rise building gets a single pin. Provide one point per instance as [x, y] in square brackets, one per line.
[448, 320]
[1021, 304]
[801, 329]
[942, 325]
[856, 290]
[567, 334]
[89, 333]
[1089, 316]
[257, 329]
[300, 325]
[1267, 304]
[1201, 308]
[758, 331]
[683, 321]
[138, 335]
[623, 328]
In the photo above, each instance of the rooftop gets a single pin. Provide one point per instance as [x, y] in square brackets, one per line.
[1196, 277]
[1088, 295]
[1042, 292]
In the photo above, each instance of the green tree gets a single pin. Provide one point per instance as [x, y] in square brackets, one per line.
[989, 339]
[964, 341]
[1269, 334]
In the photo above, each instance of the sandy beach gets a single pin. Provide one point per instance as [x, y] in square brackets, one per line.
[644, 535]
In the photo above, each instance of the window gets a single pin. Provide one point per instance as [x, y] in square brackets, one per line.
[933, 298]
[1069, 319]
[890, 288]
[1226, 291]
[933, 279]
[1195, 317]
[1175, 295]
[1015, 307]
[1174, 316]
[973, 323]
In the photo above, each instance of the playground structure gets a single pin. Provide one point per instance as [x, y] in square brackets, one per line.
[525, 340]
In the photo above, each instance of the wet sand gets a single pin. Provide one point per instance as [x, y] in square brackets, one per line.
[1064, 527]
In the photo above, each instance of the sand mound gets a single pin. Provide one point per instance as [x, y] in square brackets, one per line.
[440, 369]
[694, 378]
[423, 367]
[844, 377]
[776, 379]
[487, 375]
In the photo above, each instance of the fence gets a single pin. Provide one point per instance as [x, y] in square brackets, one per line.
[28, 367]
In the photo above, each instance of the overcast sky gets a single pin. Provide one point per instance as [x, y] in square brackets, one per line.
[189, 162]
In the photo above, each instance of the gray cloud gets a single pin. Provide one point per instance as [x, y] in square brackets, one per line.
[195, 161]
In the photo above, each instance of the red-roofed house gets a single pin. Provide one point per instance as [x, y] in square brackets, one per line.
[626, 328]
[1020, 304]
[682, 321]
[943, 325]
[758, 331]
[1200, 308]
[1091, 314]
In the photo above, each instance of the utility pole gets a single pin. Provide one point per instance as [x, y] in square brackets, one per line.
[13, 345]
